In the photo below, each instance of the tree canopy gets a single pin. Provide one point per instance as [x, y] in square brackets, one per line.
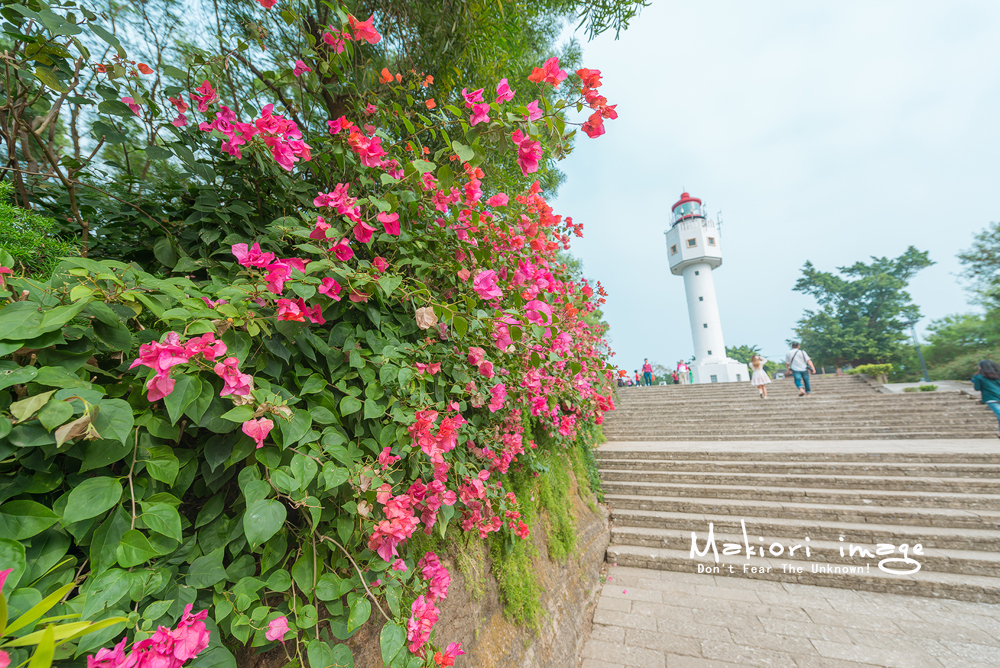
[863, 308]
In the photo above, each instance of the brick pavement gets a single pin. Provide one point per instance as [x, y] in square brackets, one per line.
[665, 619]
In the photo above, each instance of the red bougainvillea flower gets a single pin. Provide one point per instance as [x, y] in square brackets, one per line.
[363, 29]
[430, 104]
[464, 274]
[277, 629]
[144, 68]
[289, 310]
[331, 288]
[500, 199]
[447, 658]
[548, 73]
[4, 270]
[300, 68]
[390, 221]
[132, 105]
[258, 430]
[380, 264]
[504, 92]
[590, 78]
[385, 76]
[594, 127]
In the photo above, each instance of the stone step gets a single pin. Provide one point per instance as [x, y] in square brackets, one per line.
[631, 435]
[850, 497]
[933, 469]
[909, 516]
[876, 423]
[936, 560]
[963, 587]
[819, 454]
[843, 482]
[940, 538]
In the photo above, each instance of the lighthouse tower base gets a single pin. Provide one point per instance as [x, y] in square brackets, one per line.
[724, 370]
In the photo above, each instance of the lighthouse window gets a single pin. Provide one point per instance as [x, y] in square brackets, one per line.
[701, 299]
[696, 273]
[692, 243]
[705, 325]
[711, 241]
[673, 249]
[709, 352]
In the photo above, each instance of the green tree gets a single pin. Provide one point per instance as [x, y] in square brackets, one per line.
[862, 310]
[982, 266]
[742, 353]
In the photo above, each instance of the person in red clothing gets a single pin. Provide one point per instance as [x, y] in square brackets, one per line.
[647, 372]
[638, 379]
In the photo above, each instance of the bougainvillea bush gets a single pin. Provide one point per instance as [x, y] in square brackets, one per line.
[364, 342]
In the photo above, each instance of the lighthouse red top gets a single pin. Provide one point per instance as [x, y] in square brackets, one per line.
[686, 207]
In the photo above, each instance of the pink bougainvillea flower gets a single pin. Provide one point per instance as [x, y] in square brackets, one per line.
[590, 78]
[319, 231]
[548, 73]
[364, 29]
[399, 565]
[267, 4]
[504, 92]
[235, 381]
[277, 274]
[480, 114]
[370, 109]
[251, 257]
[206, 95]
[331, 288]
[529, 153]
[342, 249]
[105, 658]
[3, 272]
[159, 387]
[363, 232]
[357, 296]
[472, 98]
[534, 113]
[314, 313]
[132, 105]
[485, 285]
[258, 430]
[380, 264]
[179, 103]
[486, 368]
[539, 312]
[277, 629]
[498, 395]
[464, 274]
[422, 620]
[180, 121]
[300, 68]
[335, 42]
[390, 221]
[500, 199]
[340, 124]
[3, 576]
[386, 458]
[476, 355]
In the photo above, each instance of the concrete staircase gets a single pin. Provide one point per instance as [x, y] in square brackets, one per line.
[948, 502]
[840, 406]
[936, 491]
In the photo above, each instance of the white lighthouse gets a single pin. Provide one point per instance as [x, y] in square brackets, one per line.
[694, 248]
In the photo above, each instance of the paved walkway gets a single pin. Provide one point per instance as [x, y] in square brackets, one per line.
[914, 446]
[665, 619]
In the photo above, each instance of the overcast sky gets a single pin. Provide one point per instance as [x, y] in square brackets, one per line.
[824, 131]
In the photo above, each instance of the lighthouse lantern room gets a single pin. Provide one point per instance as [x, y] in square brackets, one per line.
[694, 249]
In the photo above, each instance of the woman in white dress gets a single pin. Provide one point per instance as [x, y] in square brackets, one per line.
[759, 377]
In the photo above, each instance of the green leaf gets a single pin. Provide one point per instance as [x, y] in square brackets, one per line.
[107, 37]
[239, 414]
[389, 283]
[60, 315]
[372, 409]
[262, 520]
[105, 591]
[186, 390]
[334, 475]
[320, 654]
[206, 571]
[23, 519]
[20, 321]
[26, 408]
[12, 556]
[460, 324]
[164, 252]
[392, 598]
[55, 413]
[464, 153]
[360, 612]
[46, 650]
[330, 587]
[57, 376]
[391, 641]
[163, 518]
[49, 78]
[57, 24]
[20, 376]
[39, 609]
[163, 464]
[349, 405]
[314, 383]
[135, 549]
[423, 166]
[91, 498]
[114, 419]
